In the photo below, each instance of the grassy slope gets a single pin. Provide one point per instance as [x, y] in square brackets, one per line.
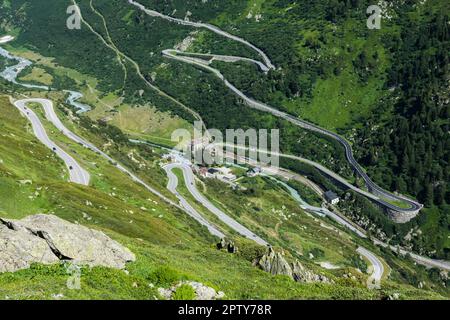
[155, 255]
[279, 219]
[172, 240]
[141, 121]
[336, 101]
[340, 101]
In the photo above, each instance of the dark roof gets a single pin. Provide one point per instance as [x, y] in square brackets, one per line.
[330, 195]
[212, 170]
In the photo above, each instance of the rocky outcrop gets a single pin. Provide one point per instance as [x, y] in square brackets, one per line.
[19, 249]
[202, 292]
[222, 244]
[275, 263]
[301, 274]
[48, 239]
[227, 244]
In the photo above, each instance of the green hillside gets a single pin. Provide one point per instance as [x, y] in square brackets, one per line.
[385, 91]
[169, 246]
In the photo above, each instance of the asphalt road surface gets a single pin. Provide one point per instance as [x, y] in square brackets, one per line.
[76, 172]
[377, 267]
[172, 186]
[189, 181]
[414, 208]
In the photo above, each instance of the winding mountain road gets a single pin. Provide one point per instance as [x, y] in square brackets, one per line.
[415, 207]
[210, 27]
[314, 164]
[77, 173]
[342, 220]
[189, 180]
[172, 187]
[377, 267]
[410, 212]
[375, 190]
[208, 58]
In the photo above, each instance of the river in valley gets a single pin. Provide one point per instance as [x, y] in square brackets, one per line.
[11, 73]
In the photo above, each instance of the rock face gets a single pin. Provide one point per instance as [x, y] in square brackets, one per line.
[202, 292]
[275, 263]
[301, 274]
[48, 239]
[222, 244]
[19, 249]
[227, 244]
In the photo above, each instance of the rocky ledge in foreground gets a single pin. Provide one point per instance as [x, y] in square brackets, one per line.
[48, 239]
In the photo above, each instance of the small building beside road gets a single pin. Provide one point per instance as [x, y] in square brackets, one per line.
[331, 197]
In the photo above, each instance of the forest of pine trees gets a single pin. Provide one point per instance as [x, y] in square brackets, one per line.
[416, 141]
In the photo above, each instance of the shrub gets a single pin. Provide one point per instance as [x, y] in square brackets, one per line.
[164, 276]
[184, 292]
[317, 253]
[359, 263]
[249, 250]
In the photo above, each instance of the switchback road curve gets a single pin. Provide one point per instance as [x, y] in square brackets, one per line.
[172, 187]
[76, 172]
[409, 213]
[189, 181]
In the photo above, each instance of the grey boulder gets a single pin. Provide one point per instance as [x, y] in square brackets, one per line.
[48, 239]
[19, 249]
